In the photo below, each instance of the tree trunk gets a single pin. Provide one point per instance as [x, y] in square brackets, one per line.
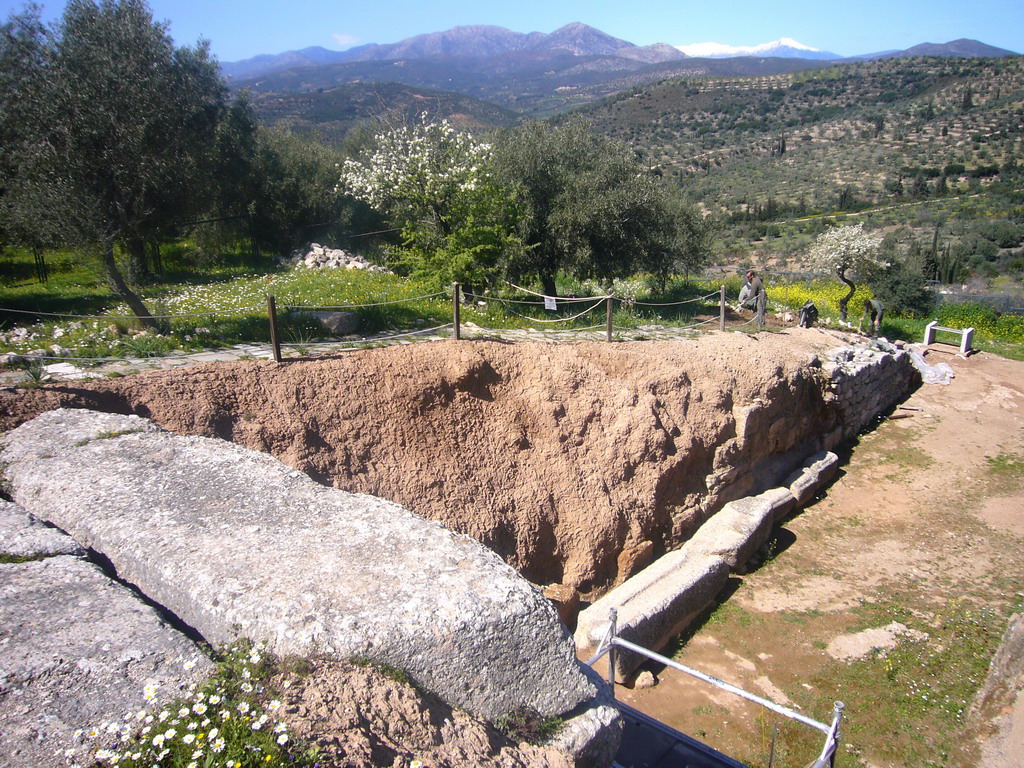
[138, 260]
[548, 281]
[843, 302]
[121, 289]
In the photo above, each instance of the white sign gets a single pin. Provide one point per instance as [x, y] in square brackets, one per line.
[550, 303]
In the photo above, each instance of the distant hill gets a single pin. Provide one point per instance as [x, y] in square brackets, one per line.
[331, 112]
[962, 48]
[868, 128]
[263, 64]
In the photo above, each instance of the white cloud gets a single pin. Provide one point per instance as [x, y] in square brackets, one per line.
[345, 41]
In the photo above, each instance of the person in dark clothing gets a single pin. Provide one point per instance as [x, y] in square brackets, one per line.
[756, 298]
[808, 314]
[875, 309]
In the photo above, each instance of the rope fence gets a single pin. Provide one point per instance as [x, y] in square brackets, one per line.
[458, 297]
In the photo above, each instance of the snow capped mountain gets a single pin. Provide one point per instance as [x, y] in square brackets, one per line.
[784, 47]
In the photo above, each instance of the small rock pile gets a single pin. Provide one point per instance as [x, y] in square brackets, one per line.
[316, 256]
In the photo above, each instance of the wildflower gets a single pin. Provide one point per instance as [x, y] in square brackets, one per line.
[158, 740]
[149, 692]
[247, 687]
[217, 745]
[274, 705]
[199, 708]
[188, 738]
[191, 662]
[282, 739]
[243, 707]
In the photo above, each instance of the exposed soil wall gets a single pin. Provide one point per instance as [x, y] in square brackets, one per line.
[577, 463]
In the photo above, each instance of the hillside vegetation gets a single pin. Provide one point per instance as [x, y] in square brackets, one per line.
[857, 125]
[927, 149]
[331, 112]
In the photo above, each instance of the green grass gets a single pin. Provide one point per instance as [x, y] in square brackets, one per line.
[904, 706]
[218, 306]
[6, 559]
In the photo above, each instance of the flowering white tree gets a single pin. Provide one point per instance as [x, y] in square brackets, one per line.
[844, 250]
[434, 182]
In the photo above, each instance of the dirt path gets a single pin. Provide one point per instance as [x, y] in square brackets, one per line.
[890, 594]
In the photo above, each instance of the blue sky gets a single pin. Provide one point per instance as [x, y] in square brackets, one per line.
[238, 29]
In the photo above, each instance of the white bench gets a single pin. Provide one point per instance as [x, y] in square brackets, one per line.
[966, 335]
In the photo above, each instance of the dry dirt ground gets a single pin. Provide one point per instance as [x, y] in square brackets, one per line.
[889, 594]
[359, 717]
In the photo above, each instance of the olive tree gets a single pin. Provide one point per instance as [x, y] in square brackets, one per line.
[587, 207]
[119, 135]
[844, 251]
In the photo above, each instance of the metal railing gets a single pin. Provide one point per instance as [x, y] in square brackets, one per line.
[611, 641]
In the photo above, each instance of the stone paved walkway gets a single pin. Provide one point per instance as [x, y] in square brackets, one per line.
[71, 370]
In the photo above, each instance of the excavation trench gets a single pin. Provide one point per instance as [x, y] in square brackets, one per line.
[577, 463]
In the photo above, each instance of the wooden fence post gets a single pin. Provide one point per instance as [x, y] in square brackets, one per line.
[608, 332]
[275, 340]
[455, 311]
[721, 308]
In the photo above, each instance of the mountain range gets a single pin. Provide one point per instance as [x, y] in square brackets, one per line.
[482, 43]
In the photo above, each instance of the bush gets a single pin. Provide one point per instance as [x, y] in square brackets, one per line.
[902, 291]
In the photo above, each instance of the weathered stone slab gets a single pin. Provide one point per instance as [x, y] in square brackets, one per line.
[816, 473]
[781, 500]
[655, 605]
[736, 531]
[22, 535]
[227, 537]
[76, 650]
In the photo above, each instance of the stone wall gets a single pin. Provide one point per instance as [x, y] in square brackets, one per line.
[660, 601]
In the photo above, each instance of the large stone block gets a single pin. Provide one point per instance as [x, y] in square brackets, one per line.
[234, 542]
[782, 502]
[22, 535]
[735, 532]
[816, 473]
[655, 605]
[76, 651]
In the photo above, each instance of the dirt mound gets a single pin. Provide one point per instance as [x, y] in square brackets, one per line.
[360, 718]
[578, 463]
